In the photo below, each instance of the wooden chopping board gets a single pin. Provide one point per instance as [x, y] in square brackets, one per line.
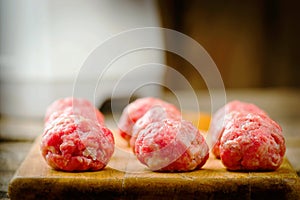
[126, 178]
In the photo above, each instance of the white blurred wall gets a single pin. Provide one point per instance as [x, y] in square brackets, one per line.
[43, 44]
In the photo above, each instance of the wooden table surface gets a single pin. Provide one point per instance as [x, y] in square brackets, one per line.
[283, 105]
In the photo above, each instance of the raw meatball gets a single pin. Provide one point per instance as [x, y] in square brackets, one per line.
[135, 110]
[154, 114]
[56, 114]
[227, 112]
[171, 145]
[252, 142]
[75, 143]
[72, 105]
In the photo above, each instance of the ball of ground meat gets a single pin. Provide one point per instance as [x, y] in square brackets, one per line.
[76, 106]
[227, 112]
[171, 145]
[135, 110]
[75, 143]
[56, 114]
[252, 142]
[154, 114]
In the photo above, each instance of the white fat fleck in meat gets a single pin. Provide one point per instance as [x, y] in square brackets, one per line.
[156, 162]
[90, 152]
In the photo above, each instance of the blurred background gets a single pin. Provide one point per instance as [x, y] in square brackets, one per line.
[44, 43]
[253, 43]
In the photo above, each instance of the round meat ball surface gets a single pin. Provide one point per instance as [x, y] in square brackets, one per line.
[73, 106]
[154, 114]
[223, 115]
[75, 143]
[136, 109]
[171, 145]
[252, 142]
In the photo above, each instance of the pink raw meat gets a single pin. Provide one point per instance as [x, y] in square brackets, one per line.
[73, 106]
[154, 114]
[252, 142]
[227, 112]
[75, 143]
[135, 110]
[171, 145]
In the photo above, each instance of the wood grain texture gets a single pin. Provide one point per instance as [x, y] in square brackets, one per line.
[36, 180]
